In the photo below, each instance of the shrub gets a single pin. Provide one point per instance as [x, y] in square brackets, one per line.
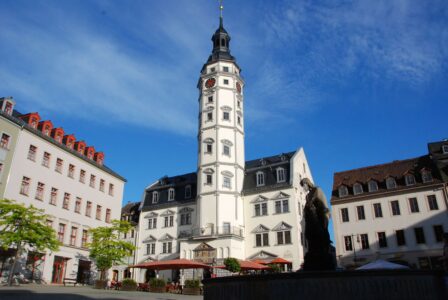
[192, 283]
[275, 268]
[157, 282]
[129, 284]
[232, 264]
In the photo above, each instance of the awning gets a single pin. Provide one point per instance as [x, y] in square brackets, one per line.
[173, 264]
[280, 261]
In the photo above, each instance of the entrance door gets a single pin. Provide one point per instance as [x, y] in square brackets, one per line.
[58, 269]
[83, 275]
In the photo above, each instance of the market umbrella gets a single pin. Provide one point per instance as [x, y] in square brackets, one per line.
[172, 264]
[380, 264]
[280, 261]
[248, 265]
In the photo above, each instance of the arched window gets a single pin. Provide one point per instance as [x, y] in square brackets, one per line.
[223, 42]
[343, 191]
[155, 197]
[171, 194]
[373, 186]
[410, 179]
[390, 183]
[357, 189]
[281, 175]
[260, 178]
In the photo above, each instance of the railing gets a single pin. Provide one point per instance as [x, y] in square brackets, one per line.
[220, 231]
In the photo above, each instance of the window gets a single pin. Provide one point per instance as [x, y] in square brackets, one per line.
[419, 235]
[107, 215]
[226, 115]
[261, 209]
[88, 209]
[155, 197]
[66, 202]
[210, 99]
[169, 220]
[283, 237]
[78, 205]
[238, 103]
[152, 223]
[212, 70]
[170, 194]
[54, 196]
[132, 233]
[151, 249]
[238, 119]
[25, 187]
[167, 247]
[426, 176]
[73, 234]
[40, 191]
[281, 206]
[47, 130]
[262, 239]
[82, 176]
[409, 179]
[209, 116]
[377, 210]
[445, 149]
[208, 149]
[92, 181]
[209, 179]
[98, 212]
[357, 189]
[102, 183]
[59, 163]
[46, 159]
[360, 211]
[4, 142]
[348, 243]
[432, 202]
[438, 233]
[395, 206]
[71, 171]
[260, 178]
[413, 205]
[401, 240]
[226, 150]
[111, 189]
[226, 183]
[343, 191]
[344, 215]
[188, 192]
[1, 168]
[226, 81]
[382, 240]
[364, 241]
[84, 238]
[281, 175]
[225, 69]
[61, 232]
[373, 186]
[32, 153]
[185, 219]
[390, 183]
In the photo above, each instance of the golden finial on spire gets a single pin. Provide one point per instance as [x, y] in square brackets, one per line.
[221, 8]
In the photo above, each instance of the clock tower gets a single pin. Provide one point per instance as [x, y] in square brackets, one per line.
[221, 160]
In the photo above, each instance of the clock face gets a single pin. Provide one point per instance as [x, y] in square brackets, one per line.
[238, 87]
[210, 83]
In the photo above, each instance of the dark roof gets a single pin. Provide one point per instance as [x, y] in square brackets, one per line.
[435, 149]
[129, 207]
[220, 51]
[131, 212]
[14, 118]
[379, 173]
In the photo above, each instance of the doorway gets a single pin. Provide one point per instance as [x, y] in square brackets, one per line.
[59, 266]
[83, 275]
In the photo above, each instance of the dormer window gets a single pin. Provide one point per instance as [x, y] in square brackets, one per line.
[8, 107]
[4, 142]
[33, 123]
[188, 192]
[281, 175]
[445, 149]
[357, 189]
[390, 183]
[373, 186]
[426, 176]
[343, 191]
[155, 197]
[260, 178]
[410, 179]
[171, 194]
[47, 129]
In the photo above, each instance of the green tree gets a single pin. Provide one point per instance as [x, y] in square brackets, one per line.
[232, 264]
[21, 227]
[106, 248]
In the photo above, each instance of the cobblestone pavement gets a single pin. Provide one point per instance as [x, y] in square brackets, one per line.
[54, 292]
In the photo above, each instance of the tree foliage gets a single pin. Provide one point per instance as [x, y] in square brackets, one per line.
[106, 248]
[22, 226]
[232, 265]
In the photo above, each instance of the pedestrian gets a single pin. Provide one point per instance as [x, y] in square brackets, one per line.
[182, 282]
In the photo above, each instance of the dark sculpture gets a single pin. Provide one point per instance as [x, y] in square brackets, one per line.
[317, 214]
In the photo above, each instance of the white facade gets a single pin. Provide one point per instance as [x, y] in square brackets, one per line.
[35, 178]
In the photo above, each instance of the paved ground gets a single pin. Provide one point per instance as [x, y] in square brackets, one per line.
[51, 292]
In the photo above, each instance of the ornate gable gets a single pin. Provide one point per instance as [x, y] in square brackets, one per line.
[167, 212]
[263, 255]
[260, 198]
[151, 215]
[203, 246]
[260, 228]
[282, 226]
[149, 239]
[280, 195]
[166, 237]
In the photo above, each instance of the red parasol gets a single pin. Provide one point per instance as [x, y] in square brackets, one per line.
[173, 264]
[280, 260]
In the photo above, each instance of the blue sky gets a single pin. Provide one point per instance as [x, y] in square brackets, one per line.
[355, 83]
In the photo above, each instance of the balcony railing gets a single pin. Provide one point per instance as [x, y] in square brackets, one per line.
[217, 231]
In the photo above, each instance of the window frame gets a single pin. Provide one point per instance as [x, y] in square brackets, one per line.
[281, 175]
[377, 210]
[260, 180]
[395, 210]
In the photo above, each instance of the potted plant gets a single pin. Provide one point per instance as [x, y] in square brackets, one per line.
[157, 285]
[128, 284]
[192, 287]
